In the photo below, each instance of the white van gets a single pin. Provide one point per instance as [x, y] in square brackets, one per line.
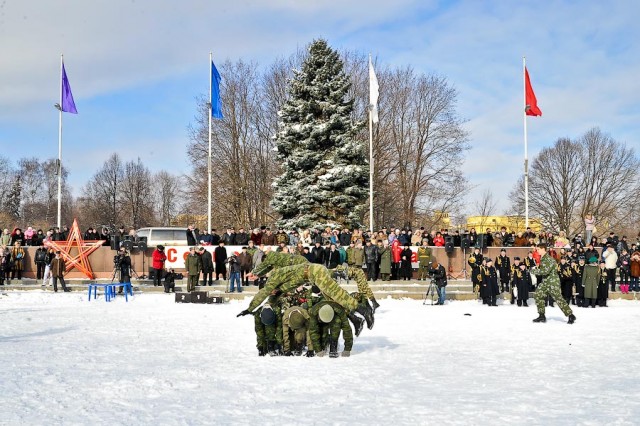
[164, 236]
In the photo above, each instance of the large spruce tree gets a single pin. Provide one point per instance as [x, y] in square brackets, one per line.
[325, 174]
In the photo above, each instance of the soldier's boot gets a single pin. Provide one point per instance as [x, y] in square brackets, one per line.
[572, 319]
[333, 349]
[375, 303]
[541, 318]
[519, 302]
[261, 352]
[358, 323]
[271, 348]
[365, 310]
[524, 303]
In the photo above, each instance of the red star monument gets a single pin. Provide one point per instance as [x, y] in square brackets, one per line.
[80, 260]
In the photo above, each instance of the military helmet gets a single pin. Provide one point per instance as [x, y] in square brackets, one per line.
[326, 314]
[267, 316]
[296, 320]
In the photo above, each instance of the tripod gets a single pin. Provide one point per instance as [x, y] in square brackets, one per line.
[464, 263]
[434, 291]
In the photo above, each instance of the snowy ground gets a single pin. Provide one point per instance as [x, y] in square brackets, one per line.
[151, 361]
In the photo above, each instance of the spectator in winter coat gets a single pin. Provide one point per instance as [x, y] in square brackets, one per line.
[611, 263]
[157, 263]
[332, 257]
[28, 236]
[589, 226]
[520, 240]
[220, 258]
[229, 237]
[246, 265]
[242, 238]
[404, 238]
[17, 236]
[317, 252]
[17, 260]
[345, 238]
[269, 239]
[406, 272]
[40, 259]
[371, 257]
[192, 235]
[5, 239]
[438, 241]
[256, 236]
[635, 271]
[207, 266]
[384, 264]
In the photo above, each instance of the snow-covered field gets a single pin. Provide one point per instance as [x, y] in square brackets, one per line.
[151, 361]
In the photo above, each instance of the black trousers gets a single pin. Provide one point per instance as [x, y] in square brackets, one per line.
[611, 278]
[16, 273]
[157, 276]
[207, 276]
[372, 272]
[40, 270]
[55, 284]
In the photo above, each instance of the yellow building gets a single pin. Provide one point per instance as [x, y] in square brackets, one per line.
[512, 223]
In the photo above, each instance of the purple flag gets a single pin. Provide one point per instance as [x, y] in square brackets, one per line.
[68, 105]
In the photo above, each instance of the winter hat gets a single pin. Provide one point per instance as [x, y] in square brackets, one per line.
[296, 320]
[593, 259]
[267, 316]
[326, 314]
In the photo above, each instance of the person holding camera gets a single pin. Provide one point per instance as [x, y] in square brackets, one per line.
[157, 263]
[439, 275]
[170, 281]
[123, 265]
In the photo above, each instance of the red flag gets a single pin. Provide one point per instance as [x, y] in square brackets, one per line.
[531, 103]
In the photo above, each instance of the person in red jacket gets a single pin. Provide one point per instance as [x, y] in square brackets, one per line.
[438, 240]
[158, 258]
[396, 256]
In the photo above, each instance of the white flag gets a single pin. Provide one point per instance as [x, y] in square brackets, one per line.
[373, 92]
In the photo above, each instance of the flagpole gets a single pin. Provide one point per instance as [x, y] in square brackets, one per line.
[209, 157]
[371, 166]
[526, 158]
[60, 149]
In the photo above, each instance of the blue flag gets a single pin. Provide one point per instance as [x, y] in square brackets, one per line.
[216, 103]
[68, 105]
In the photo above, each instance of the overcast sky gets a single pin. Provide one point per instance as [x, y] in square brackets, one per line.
[137, 66]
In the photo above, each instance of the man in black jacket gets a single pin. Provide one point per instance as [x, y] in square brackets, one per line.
[207, 266]
[439, 274]
[332, 257]
[371, 258]
[220, 257]
[192, 236]
[317, 253]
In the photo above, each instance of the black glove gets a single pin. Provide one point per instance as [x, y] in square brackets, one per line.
[243, 313]
[310, 354]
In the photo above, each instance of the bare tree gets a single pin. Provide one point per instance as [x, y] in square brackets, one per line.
[168, 195]
[100, 204]
[593, 174]
[485, 206]
[135, 193]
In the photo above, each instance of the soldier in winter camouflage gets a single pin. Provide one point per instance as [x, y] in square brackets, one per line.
[288, 278]
[277, 260]
[326, 320]
[550, 286]
[364, 290]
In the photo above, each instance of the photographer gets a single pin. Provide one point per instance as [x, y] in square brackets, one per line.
[158, 258]
[170, 282]
[439, 275]
[122, 263]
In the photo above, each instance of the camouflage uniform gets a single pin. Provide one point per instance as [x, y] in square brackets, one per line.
[300, 336]
[321, 334]
[550, 286]
[266, 335]
[364, 291]
[277, 260]
[424, 257]
[290, 277]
